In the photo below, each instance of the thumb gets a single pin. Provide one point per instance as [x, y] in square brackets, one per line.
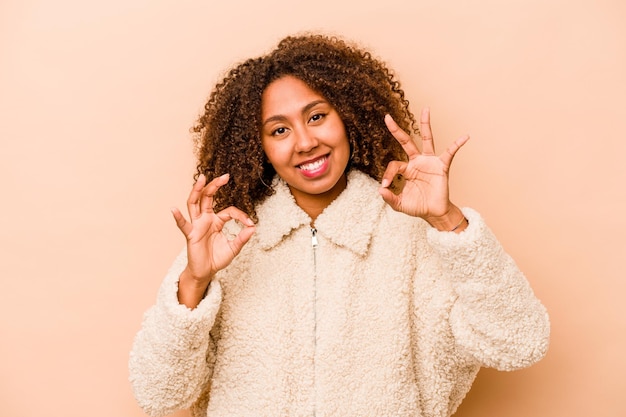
[242, 238]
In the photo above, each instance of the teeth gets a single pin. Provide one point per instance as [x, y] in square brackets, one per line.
[313, 165]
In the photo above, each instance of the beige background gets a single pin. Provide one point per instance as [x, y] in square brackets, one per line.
[96, 99]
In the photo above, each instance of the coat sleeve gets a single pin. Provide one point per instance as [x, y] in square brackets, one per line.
[171, 355]
[496, 318]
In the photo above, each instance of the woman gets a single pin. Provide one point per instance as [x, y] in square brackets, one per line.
[327, 272]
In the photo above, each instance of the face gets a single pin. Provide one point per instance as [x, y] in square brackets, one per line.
[305, 141]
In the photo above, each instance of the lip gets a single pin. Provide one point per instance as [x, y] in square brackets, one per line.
[317, 170]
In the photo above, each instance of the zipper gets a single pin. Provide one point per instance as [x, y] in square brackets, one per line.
[314, 244]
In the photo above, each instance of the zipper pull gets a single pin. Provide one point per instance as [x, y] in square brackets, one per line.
[314, 237]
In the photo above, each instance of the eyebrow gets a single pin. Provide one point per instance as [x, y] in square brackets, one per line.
[305, 109]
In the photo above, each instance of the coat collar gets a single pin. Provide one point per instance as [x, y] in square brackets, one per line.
[348, 221]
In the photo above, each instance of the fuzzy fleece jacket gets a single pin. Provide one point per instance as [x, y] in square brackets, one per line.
[384, 316]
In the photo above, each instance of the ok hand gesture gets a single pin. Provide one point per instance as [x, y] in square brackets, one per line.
[208, 249]
[425, 192]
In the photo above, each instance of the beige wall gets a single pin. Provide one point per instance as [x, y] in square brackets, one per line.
[95, 105]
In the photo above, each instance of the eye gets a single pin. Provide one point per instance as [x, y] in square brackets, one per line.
[317, 117]
[279, 131]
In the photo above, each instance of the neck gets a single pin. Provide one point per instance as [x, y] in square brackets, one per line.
[314, 204]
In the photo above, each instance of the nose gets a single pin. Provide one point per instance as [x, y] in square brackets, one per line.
[305, 140]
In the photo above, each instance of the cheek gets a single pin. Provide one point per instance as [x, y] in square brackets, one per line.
[275, 152]
[338, 132]
[343, 143]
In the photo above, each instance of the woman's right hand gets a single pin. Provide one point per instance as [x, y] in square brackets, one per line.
[208, 249]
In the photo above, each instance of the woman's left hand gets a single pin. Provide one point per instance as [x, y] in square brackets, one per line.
[423, 190]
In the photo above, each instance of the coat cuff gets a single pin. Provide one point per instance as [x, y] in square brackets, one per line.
[457, 246]
[188, 326]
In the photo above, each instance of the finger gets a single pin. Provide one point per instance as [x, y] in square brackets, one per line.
[193, 201]
[428, 145]
[233, 213]
[246, 231]
[401, 136]
[448, 155]
[241, 239]
[390, 198]
[393, 169]
[182, 224]
[206, 202]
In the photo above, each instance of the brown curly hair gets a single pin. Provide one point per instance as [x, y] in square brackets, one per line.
[360, 87]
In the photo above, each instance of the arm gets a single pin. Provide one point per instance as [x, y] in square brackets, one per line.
[496, 318]
[172, 357]
[170, 362]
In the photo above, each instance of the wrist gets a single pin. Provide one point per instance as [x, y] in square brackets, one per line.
[453, 220]
[194, 280]
[190, 289]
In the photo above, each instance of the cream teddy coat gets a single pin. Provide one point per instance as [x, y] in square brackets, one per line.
[372, 313]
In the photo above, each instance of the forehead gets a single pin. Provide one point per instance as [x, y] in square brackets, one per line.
[287, 95]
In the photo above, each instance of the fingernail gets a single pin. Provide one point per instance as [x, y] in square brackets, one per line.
[249, 222]
[385, 183]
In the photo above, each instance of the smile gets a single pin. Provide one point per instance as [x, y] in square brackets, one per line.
[314, 167]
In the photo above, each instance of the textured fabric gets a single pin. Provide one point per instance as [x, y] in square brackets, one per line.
[385, 317]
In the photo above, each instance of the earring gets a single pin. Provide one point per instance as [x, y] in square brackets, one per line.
[263, 182]
[352, 150]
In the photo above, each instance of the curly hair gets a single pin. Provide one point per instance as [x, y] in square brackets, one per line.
[360, 87]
